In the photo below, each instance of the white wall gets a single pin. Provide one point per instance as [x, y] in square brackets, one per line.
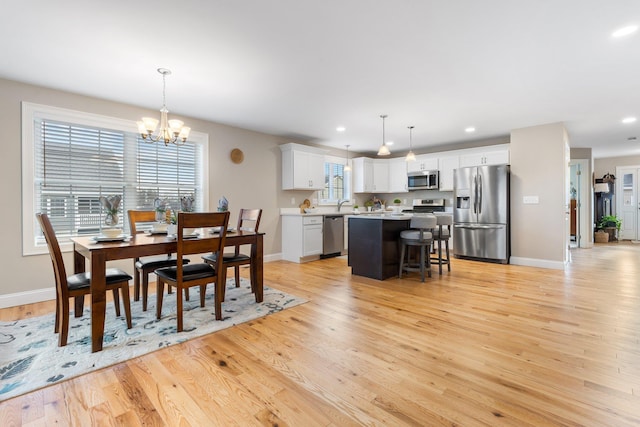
[539, 163]
[254, 183]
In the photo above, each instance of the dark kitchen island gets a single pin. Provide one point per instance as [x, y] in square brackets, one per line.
[373, 244]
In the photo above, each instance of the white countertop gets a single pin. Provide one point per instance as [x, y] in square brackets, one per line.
[327, 212]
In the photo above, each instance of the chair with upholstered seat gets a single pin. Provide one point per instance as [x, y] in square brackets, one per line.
[145, 266]
[419, 235]
[78, 285]
[184, 276]
[248, 220]
[442, 233]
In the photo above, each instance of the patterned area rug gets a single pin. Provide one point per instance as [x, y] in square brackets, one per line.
[30, 357]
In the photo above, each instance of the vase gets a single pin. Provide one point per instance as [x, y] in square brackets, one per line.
[111, 219]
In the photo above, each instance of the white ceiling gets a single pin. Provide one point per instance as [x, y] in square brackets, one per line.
[300, 68]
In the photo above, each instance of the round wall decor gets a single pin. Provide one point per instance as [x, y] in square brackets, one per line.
[237, 156]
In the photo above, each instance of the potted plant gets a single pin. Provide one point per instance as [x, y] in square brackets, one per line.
[368, 204]
[397, 202]
[355, 209]
[608, 223]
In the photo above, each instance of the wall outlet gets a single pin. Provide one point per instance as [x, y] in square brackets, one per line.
[314, 202]
[293, 200]
[404, 202]
[530, 200]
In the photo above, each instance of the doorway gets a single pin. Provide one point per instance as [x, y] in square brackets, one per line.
[578, 203]
[628, 202]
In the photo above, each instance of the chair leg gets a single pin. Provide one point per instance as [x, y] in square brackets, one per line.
[179, 308]
[429, 265]
[145, 290]
[159, 293]
[186, 294]
[78, 308]
[402, 251]
[422, 261]
[440, 256]
[64, 323]
[446, 245]
[56, 327]
[136, 284]
[223, 284]
[203, 292]
[237, 272]
[116, 301]
[126, 301]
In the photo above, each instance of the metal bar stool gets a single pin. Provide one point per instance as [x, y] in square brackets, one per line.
[442, 233]
[419, 235]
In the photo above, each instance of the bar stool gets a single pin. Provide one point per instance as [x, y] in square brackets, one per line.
[442, 233]
[419, 235]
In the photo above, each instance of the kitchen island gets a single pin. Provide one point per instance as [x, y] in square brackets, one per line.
[373, 244]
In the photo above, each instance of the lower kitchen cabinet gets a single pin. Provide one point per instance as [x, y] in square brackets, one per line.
[301, 238]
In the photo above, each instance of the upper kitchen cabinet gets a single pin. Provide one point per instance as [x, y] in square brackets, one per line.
[398, 175]
[447, 164]
[370, 175]
[424, 162]
[302, 167]
[491, 155]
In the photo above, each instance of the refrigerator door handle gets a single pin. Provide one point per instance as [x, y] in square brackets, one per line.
[479, 194]
[475, 194]
[479, 227]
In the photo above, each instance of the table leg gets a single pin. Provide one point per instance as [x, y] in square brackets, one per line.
[257, 267]
[98, 299]
[78, 267]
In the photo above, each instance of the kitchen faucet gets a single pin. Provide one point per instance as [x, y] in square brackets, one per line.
[341, 202]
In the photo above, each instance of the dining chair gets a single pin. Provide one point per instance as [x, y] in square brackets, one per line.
[78, 285]
[442, 233]
[184, 276]
[420, 235]
[248, 220]
[145, 266]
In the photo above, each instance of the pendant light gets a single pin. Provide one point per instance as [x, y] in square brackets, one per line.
[383, 150]
[410, 156]
[347, 167]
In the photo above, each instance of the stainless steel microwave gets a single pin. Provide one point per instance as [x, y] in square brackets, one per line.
[423, 180]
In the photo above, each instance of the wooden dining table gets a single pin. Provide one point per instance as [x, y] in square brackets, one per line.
[98, 253]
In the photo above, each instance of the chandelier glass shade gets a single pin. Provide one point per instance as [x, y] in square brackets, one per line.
[171, 131]
[383, 150]
[410, 156]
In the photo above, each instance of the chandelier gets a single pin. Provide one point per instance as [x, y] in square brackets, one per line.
[171, 131]
[410, 156]
[383, 150]
[347, 167]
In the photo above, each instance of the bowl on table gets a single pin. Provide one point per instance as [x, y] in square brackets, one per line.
[111, 232]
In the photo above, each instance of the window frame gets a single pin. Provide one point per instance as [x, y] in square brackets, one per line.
[32, 112]
[347, 182]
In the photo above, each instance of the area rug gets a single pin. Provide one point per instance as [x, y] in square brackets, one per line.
[30, 357]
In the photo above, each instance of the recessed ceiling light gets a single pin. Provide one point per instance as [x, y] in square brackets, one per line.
[341, 129]
[629, 120]
[470, 129]
[625, 31]
[389, 143]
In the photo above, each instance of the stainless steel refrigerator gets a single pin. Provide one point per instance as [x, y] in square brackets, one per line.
[481, 213]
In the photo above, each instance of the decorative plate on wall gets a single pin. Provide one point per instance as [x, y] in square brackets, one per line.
[237, 156]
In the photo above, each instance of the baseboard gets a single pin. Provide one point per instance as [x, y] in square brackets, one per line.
[28, 297]
[39, 295]
[534, 262]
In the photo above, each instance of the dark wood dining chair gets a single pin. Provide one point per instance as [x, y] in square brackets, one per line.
[184, 276]
[79, 285]
[145, 266]
[248, 220]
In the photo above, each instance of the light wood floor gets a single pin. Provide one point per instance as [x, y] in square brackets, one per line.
[484, 345]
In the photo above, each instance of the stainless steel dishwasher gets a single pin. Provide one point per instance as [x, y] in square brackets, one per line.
[332, 235]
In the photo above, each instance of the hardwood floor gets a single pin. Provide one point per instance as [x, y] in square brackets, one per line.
[483, 345]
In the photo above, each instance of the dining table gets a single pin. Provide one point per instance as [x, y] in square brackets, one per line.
[98, 253]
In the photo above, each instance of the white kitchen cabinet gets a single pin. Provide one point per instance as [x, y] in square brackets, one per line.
[302, 167]
[493, 155]
[370, 175]
[398, 175]
[301, 237]
[447, 165]
[424, 162]
[380, 175]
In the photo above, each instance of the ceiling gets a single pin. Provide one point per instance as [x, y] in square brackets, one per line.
[299, 69]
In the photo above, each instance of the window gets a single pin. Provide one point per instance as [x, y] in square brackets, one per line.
[70, 159]
[337, 181]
